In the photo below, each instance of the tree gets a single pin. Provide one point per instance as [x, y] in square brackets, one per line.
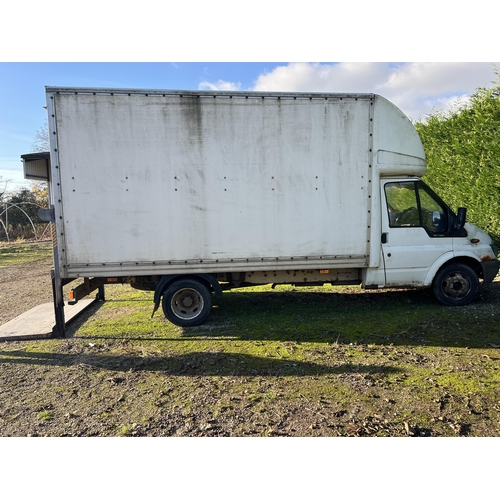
[463, 157]
[3, 188]
[40, 192]
[22, 204]
[19, 210]
[41, 142]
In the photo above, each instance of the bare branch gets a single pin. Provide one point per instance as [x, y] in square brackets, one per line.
[41, 141]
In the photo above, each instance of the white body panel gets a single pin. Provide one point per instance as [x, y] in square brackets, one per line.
[145, 182]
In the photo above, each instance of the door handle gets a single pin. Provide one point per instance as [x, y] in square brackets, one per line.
[384, 237]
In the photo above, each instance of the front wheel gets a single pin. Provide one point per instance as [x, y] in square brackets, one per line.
[456, 285]
[186, 303]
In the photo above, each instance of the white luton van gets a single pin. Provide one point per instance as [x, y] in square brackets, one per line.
[189, 193]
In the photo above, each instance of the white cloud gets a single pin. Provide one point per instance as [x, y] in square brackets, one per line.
[219, 85]
[415, 87]
[418, 87]
[446, 103]
[438, 77]
[316, 77]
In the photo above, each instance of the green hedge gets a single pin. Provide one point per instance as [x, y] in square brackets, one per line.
[463, 158]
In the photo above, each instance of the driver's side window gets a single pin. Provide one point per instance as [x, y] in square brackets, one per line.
[402, 204]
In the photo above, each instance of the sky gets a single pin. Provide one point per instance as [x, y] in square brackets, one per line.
[416, 88]
[235, 46]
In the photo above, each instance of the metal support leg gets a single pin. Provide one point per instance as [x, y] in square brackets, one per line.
[59, 329]
[100, 294]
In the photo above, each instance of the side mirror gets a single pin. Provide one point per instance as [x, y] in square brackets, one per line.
[462, 212]
[436, 219]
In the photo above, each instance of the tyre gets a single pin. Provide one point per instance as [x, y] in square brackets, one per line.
[187, 302]
[456, 285]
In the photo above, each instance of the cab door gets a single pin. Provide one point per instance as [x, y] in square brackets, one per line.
[414, 224]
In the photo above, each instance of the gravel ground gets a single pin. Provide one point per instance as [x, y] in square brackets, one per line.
[23, 287]
[74, 387]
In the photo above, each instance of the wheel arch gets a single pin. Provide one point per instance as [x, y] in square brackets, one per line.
[445, 260]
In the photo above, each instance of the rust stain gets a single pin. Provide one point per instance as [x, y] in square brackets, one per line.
[486, 258]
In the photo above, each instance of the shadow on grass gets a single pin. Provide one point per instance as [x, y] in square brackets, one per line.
[399, 317]
[192, 364]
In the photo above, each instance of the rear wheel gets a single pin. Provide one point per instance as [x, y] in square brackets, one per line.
[187, 303]
[456, 285]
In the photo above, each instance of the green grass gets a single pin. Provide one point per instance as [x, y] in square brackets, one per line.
[12, 254]
[45, 415]
[261, 320]
[307, 333]
[315, 361]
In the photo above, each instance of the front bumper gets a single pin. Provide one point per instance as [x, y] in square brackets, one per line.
[490, 270]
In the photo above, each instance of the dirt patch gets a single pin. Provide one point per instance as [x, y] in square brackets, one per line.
[230, 379]
[23, 287]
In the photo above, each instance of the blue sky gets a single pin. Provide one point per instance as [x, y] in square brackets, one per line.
[415, 87]
[22, 94]
[42, 46]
